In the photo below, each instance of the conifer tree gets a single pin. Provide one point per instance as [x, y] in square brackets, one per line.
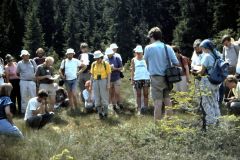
[33, 36]
[46, 17]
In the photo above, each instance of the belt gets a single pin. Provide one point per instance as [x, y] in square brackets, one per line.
[26, 80]
[155, 75]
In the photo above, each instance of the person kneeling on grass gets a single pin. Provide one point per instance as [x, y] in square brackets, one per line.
[7, 126]
[88, 97]
[37, 114]
[61, 98]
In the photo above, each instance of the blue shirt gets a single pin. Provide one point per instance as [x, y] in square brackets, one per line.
[117, 63]
[4, 101]
[208, 61]
[156, 58]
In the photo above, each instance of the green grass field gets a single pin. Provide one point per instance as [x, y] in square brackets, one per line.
[125, 136]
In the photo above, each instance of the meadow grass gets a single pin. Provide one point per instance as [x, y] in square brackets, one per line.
[125, 136]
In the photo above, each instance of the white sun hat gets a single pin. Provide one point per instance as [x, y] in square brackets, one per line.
[70, 50]
[97, 54]
[113, 46]
[109, 51]
[138, 49]
[24, 52]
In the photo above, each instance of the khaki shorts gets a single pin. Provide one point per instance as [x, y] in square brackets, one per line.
[116, 83]
[50, 88]
[159, 88]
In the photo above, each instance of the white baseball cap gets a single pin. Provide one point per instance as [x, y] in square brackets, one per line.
[113, 46]
[24, 52]
[109, 51]
[97, 54]
[70, 50]
[138, 49]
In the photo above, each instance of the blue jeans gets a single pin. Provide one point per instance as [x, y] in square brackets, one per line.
[7, 128]
[71, 85]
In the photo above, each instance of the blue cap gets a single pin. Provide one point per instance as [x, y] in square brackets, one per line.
[208, 44]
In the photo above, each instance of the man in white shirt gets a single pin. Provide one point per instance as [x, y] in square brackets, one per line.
[37, 114]
[69, 71]
[196, 57]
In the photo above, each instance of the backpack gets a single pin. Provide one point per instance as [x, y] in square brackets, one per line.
[219, 71]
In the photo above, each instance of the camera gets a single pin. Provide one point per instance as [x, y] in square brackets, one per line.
[99, 77]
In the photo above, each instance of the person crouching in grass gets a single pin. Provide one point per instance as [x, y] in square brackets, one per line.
[100, 77]
[88, 97]
[37, 114]
[7, 126]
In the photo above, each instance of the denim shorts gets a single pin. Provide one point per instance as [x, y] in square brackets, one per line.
[71, 85]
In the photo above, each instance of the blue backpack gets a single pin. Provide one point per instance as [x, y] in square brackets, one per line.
[219, 71]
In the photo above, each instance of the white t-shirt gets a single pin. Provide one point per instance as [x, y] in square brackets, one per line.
[71, 68]
[33, 104]
[84, 59]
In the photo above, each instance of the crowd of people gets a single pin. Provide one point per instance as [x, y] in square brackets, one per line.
[28, 87]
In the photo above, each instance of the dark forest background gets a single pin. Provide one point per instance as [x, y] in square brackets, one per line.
[59, 24]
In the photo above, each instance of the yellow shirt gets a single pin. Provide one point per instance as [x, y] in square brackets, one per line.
[99, 69]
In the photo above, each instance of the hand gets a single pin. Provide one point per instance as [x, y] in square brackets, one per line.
[132, 82]
[63, 76]
[48, 76]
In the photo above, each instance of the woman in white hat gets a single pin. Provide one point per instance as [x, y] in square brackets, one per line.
[100, 77]
[116, 67]
[140, 78]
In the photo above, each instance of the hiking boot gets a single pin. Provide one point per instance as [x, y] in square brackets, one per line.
[101, 116]
[143, 110]
[120, 105]
[116, 108]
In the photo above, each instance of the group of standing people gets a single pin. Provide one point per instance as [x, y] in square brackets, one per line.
[30, 82]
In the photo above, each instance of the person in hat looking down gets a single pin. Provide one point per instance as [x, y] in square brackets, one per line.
[69, 71]
[114, 47]
[100, 78]
[26, 69]
[140, 78]
[116, 67]
[11, 77]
